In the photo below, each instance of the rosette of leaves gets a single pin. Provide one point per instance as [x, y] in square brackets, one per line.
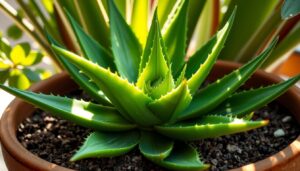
[16, 63]
[150, 97]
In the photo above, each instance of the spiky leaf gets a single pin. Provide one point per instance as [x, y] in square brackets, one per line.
[212, 50]
[208, 127]
[183, 157]
[214, 94]
[84, 82]
[125, 46]
[100, 144]
[128, 99]
[91, 49]
[241, 103]
[154, 146]
[176, 45]
[172, 103]
[83, 113]
[156, 68]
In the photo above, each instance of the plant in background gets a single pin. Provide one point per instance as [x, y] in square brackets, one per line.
[251, 33]
[149, 97]
[16, 65]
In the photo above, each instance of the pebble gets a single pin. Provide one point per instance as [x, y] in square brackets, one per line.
[286, 119]
[279, 133]
[233, 148]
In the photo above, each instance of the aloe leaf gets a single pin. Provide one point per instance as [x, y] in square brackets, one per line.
[245, 26]
[86, 114]
[165, 9]
[165, 86]
[176, 46]
[125, 46]
[194, 12]
[130, 100]
[181, 77]
[93, 21]
[206, 57]
[139, 19]
[241, 103]
[155, 147]
[290, 8]
[214, 94]
[154, 39]
[5, 46]
[172, 103]
[100, 144]
[81, 79]
[156, 68]
[183, 157]
[91, 49]
[208, 127]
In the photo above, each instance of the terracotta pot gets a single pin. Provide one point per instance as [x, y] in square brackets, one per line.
[291, 67]
[18, 158]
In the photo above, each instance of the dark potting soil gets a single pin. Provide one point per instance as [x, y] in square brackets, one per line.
[56, 140]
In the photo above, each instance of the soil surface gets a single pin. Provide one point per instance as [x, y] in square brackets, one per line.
[56, 140]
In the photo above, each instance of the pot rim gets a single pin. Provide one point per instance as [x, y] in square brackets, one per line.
[14, 148]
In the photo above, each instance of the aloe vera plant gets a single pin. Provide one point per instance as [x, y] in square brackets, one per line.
[150, 97]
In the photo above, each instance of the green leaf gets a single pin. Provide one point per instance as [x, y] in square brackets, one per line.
[81, 79]
[3, 76]
[139, 19]
[18, 79]
[125, 46]
[83, 113]
[100, 144]
[155, 147]
[181, 77]
[165, 86]
[14, 32]
[31, 75]
[212, 50]
[32, 59]
[5, 47]
[130, 100]
[156, 68]
[247, 22]
[290, 8]
[183, 157]
[194, 12]
[19, 53]
[242, 103]
[214, 94]
[208, 127]
[176, 45]
[91, 49]
[93, 21]
[172, 103]
[165, 9]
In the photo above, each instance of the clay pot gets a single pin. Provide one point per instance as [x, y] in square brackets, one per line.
[18, 158]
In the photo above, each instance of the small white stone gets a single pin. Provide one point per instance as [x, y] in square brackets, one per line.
[286, 119]
[279, 133]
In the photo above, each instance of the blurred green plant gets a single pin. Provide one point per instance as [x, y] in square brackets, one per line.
[256, 24]
[16, 65]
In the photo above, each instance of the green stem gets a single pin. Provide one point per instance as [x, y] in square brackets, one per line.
[27, 27]
[32, 18]
[50, 28]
